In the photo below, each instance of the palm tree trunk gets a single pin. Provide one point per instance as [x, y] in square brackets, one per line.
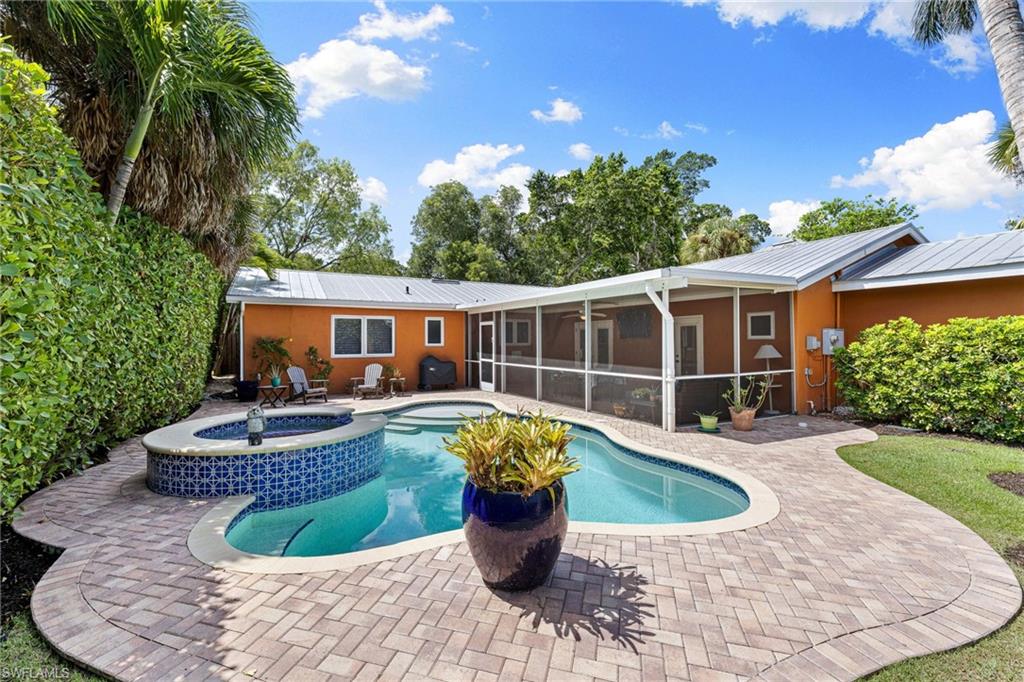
[1004, 29]
[131, 153]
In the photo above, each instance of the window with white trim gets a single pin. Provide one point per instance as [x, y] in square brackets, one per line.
[761, 326]
[517, 332]
[359, 336]
[433, 330]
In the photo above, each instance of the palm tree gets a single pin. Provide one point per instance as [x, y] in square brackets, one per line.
[174, 104]
[1003, 156]
[1004, 28]
[716, 238]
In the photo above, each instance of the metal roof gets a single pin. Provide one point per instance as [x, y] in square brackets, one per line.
[1000, 254]
[334, 288]
[808, 262]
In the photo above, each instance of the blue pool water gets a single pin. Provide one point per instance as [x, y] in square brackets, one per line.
[420, 493]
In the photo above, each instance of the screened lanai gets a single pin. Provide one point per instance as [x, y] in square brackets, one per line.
[656, 346]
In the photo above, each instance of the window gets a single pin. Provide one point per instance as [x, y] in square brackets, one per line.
[434, 331]
[517, 332]
[354, 336]
[761, 325]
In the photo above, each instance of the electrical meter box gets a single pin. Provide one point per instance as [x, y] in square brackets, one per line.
[832, 339]
[812, 343]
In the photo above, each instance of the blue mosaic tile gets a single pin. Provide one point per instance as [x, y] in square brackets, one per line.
[277, 479]
[277, 426]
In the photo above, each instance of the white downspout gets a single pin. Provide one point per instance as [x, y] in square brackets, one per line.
[736, 340]
[587, 352]
[241, 342]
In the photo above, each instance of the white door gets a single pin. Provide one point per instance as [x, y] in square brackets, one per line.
[486, 356]
[689, 343]
[602, 352]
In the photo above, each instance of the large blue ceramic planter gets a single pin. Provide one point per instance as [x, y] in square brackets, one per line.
[515, 541]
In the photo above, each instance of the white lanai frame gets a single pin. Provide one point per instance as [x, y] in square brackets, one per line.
[656, 285]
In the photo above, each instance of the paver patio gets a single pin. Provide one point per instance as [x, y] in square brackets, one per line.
[851, 575]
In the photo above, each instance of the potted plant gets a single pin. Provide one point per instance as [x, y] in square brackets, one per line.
[269, 351]
[644, 393]
[514, 501]
[708, 422]
[275, 375]
[745, 401]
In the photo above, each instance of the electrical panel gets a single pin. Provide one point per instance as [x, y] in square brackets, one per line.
[813, 344]
[832, 339]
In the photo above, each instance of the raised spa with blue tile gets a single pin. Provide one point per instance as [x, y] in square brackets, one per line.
[309, 454]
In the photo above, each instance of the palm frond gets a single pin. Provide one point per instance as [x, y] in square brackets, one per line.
[934, 20]
[1003, 154]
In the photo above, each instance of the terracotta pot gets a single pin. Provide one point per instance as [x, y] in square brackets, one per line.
[743, 420]
[515, 541]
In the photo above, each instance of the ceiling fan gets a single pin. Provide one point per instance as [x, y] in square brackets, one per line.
[594, 312]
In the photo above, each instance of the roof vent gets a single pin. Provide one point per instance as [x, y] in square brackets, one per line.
[441, 280]
[407, 289]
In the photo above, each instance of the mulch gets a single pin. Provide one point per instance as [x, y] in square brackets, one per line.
[1016, 554]
[1009, 480]
[22, 563]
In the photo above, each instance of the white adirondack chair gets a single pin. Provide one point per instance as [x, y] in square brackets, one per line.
[369, 383]
[305, 388]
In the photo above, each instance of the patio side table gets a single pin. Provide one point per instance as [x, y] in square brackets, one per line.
[273, 395]
[400, 383]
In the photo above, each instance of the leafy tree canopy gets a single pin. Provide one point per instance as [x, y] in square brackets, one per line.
[719, 237]
[843, 216]
[309, 212]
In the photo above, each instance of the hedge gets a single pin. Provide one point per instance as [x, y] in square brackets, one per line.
[104, 330]
[965, 376]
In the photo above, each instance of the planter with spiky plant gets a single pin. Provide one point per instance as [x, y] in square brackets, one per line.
[514, 502]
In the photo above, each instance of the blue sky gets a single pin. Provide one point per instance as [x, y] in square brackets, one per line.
[799, 101]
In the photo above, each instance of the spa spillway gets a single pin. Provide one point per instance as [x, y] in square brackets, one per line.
[308, 454]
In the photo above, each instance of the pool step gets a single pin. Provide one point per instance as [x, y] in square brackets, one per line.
[401, 420]
[406, 429]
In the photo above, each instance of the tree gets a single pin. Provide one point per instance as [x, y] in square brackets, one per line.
[719, 237]
[1003, 156]
[935, 20]
[310, 212]
[1015, 223]
[450, 213]
[465, 260]
[201, 102]
[843, 216]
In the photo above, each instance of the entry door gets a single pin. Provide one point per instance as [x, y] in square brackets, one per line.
[689, 344]
[487, 356]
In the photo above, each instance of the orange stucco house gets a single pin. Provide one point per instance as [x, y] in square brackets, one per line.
[658, 345]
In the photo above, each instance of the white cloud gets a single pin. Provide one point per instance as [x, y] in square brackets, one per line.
[890, 19]
[387, 24]
[581, 151]
[699, 127]
[561, 111]
[784, 215]
[946, 168]
[373, 191]
[342, 69]
[666, 131]
[479, 166]
[462, 44]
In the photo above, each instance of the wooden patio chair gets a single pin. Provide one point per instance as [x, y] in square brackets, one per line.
[369, 384]
[303, 388]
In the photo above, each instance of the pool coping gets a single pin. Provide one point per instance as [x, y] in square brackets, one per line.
[208, 543]
[180, 438]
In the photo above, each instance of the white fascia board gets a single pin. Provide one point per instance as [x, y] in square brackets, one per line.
[275, 300]
[623, 285]
[908, 230]
[966, 274]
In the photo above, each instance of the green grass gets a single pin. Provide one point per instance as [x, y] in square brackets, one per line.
[952, 475]
[25, 655]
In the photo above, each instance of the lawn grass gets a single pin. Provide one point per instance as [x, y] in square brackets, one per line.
[952, 475]
[24, 655]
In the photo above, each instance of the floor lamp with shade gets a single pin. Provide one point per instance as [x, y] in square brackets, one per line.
[768, 352]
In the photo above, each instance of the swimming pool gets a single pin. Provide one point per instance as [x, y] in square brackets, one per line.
[419, 493]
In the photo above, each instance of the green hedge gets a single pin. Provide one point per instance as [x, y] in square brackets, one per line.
[104, 330]
[965, 376]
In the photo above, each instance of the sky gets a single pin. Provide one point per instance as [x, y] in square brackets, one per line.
[799, 101]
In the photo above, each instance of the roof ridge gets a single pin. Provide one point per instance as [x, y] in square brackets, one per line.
[402, 277]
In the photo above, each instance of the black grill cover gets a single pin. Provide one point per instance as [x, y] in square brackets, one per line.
[434, 372]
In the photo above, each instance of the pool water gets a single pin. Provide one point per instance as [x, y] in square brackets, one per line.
[420, 493]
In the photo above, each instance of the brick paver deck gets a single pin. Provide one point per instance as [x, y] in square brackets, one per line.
[851, 576]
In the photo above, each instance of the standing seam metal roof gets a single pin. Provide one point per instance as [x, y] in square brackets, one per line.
[252, 284]
[986, 250]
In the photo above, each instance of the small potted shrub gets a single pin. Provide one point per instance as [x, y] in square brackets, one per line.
[644, 393]
[708, 422]
[274, 371]
[514, 501]
[745, 401]
[269, 351]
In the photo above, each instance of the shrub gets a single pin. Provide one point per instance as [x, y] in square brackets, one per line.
[965, 376]
[104, 330]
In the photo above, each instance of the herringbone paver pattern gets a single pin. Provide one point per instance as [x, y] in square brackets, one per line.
[852, 575]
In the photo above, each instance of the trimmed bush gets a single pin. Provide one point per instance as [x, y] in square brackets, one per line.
[965, 376]
[104, 330]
